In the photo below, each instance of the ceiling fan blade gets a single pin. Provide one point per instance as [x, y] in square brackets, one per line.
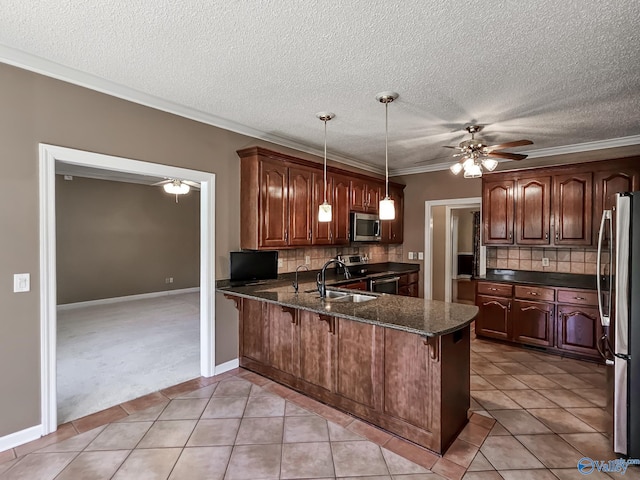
[506, 155]
[449, 146]
[502, 146]
[161, 183]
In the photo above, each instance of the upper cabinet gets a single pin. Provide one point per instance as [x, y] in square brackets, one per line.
[533, 202]
[556, 206]
[280, 196]
[497, 212]
[393, 230]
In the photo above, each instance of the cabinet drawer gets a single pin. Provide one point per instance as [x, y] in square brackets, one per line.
[500, 289]
[535, 293]
[578, 297]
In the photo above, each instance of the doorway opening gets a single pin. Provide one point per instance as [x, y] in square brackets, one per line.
[49, 155]
[441, 259]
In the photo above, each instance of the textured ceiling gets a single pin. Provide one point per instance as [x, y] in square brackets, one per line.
[557, 73]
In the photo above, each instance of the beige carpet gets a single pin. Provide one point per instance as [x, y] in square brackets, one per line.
[109, 354]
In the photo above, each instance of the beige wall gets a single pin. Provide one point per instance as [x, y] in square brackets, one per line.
[439, 218]
[465, 228]
[115, 239]
[38, 109]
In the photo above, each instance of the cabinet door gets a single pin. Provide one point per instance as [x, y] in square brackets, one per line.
[393, 230]
[572, 208]
[252, 330]
[579, 329]
[322, 231]
[606, 185]
[282, 333]
[300, 204]
[359, 354]
[533, 323]
[340, 210]
[497, 212]
[534, 210]
[373, 197]
[317, 342]
[273, 212]
[358, 195]
[493, 317]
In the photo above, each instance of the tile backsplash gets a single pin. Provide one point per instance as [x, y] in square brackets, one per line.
[566, 260]
[318, 256]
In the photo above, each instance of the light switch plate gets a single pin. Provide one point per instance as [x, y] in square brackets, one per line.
[420, 255]
[410, 255]
[280, 263]
[21, 282]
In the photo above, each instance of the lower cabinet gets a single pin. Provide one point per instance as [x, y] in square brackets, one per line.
[408, 285]
[415, 387]
[579, 329]
[493, 318]
[561, 320]
[533, 323]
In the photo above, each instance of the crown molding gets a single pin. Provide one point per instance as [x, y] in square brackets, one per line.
[539, 153]
[42, 66]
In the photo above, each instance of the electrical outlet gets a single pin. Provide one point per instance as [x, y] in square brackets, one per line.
[21, 282]
[166, 280]
[170, 279]
[280, 263]
[545, 262]
[410, 255]
[420, 255]
[307, 260]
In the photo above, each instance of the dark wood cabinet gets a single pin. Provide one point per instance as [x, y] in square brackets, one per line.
[300, 204]
[573, 208]
[533, 322]
[408, 284]
[282, 333]
[273, 215]
[497, 212]
[579, 329]
[340, 210]
[317, 347]
[393, 230]
[493, 319]
[533, 207]
[361, 285]
[252, 331]
[568, 198]
[280, 195]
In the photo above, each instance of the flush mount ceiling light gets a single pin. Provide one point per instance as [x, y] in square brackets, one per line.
[387, 210]
[176, 187]
[324, 210]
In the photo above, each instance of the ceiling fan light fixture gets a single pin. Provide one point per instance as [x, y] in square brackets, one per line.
[456, 168]
[473, 171]
[386, 207]
[324, 209]
[490, 164]
[176, 188]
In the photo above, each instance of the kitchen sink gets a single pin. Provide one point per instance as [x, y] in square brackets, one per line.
[347, 297]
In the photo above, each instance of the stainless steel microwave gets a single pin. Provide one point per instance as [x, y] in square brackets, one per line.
[365, 227]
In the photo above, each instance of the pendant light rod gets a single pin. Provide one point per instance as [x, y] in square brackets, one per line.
[386, 98]
[324, 210]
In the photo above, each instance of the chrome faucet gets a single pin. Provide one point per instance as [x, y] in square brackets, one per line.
[321, 281]
[295, 283]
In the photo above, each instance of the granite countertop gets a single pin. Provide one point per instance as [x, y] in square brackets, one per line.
[427, 318]
[544, 279]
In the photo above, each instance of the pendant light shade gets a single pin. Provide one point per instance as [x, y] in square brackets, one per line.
[386, 208]
[324, 210]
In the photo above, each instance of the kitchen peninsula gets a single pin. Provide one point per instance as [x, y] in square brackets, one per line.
[397, 362]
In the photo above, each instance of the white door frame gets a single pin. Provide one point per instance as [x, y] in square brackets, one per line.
[49, 154]
[450, 204]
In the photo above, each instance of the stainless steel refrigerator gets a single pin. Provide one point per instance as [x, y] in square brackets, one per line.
[619, 303]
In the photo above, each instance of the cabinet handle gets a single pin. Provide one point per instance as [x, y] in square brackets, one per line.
[286, 235]
[330, 235]
[309, 234]
[509, 306]
[557, 236]
[579, 298]
[546, 236]
[533, 293]
[510, 235]
[493, 289]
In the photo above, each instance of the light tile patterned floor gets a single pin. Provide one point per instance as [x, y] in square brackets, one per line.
[535, 416]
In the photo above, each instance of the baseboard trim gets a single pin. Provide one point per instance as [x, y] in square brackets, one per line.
[20, 438]
[226, 366]
[106, 301]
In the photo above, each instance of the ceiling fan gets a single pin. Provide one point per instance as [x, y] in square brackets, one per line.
[177, 187]
[477, 155]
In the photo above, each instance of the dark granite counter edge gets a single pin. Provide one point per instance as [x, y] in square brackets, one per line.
[543, 279]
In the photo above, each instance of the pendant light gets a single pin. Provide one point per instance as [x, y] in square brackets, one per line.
[387, 210]
[324, 210]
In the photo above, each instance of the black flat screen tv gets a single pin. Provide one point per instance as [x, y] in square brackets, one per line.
[251, 266]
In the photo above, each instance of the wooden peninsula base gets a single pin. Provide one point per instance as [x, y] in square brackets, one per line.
[413, 386]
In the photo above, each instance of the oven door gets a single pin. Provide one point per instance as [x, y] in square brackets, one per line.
[385, 285]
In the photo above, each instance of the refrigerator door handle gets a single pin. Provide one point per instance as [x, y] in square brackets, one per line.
[605, 319]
